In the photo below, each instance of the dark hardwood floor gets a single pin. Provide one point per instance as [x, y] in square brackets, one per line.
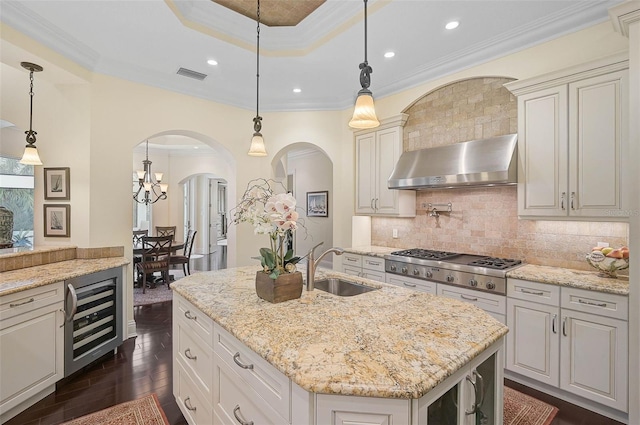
[143, 365]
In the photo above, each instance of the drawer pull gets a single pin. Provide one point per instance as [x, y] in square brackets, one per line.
[187, 404]
[526, 291]
[592, 303]
[464, 297]
[190, 316]
[373, 264]
[353, 260]
[553, 324]
[564, 326]
[409, 285]
[22, 303]
[240, 419]
[244, 366]
[187, 354]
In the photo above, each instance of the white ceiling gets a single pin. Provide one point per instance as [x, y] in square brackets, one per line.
[147, 41]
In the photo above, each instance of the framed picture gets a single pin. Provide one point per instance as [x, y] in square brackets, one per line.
[56, 184]
[318, 204]
[57, 220]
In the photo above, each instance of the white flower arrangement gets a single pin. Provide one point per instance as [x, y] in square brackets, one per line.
[272, 214]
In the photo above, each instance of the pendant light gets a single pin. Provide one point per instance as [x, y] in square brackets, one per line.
[30, 156]
[364, 114]
[149, 184]
[257, 142]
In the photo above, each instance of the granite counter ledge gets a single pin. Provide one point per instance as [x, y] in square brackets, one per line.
[574, 278]
[390, 343]
[33, 277]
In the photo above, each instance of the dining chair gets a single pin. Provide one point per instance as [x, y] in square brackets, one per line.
[157, 250]
[166, 231]
[186, 257]
[137, 241]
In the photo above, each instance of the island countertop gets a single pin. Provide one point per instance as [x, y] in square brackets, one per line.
[392, 343]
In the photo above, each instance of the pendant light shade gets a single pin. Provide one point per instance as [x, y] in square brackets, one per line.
[364, 113]
[30, 156]
[150, 190]
[257, 147]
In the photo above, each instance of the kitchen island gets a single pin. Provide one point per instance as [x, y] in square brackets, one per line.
[329, 359]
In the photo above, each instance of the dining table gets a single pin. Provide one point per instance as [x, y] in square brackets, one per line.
[138, 249]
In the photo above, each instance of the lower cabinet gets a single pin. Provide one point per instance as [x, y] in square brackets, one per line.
[367, 266]
[412, 283]
[32, 341]
[246, 389]
[571, 339]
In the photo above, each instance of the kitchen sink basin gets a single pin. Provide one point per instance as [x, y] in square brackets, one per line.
[341, 287]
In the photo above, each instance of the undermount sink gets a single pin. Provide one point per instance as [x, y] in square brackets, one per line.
[342, 288]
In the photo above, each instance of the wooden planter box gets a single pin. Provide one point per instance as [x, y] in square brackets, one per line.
[287, 286]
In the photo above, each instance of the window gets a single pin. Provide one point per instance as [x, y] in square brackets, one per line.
[16, 194]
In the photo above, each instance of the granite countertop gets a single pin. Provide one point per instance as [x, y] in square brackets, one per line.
[574, 278]
[392, 343]
[33, 277]
[372, 250]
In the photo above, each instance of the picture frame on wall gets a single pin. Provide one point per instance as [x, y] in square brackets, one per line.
[318, 204]
[57, 184]
[57, 220]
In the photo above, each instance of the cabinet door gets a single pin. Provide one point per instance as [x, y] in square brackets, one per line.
[594, 358]
[389, 146]
[533, 340]
[344, 410]
[543, 153]
[365, 173]
[596, 133]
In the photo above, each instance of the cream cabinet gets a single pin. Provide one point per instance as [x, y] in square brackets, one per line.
[32, 341]
[570, 339]
[376, 155]
[572, 142]
[412, 283]
[367, 266]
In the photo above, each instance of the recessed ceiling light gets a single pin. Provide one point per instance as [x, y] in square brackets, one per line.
[451, 25]
[212, 62]
[389, 54]
[296, 90]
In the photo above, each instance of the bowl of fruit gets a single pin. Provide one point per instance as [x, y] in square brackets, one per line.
[608, 261]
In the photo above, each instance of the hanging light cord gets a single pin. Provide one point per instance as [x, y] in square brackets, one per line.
[257, 121]
[365, 69]
[31, 135]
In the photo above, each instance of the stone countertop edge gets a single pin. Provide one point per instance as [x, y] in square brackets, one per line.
[390, 343]
[372, 250]
[36, 276]
[580, 279]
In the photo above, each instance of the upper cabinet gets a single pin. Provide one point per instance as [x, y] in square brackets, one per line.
[572, 142]
[377, 152]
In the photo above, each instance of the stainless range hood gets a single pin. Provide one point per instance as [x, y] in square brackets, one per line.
[486, 162]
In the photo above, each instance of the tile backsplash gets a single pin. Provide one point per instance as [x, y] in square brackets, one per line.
[484, 220]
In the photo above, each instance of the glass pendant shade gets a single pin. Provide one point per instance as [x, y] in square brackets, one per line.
[364, 114]
[257, 146]
[30, 156]
[141, 174]
[158, 177]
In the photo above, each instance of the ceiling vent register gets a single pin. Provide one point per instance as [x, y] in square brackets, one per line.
[191, 74]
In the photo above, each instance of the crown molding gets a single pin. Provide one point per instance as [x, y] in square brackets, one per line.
[623, 15]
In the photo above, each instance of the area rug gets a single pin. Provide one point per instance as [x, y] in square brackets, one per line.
[521, 409]
[143, 411]
[159, 294]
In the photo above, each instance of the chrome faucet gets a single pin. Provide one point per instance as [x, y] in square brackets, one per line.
[312, 263]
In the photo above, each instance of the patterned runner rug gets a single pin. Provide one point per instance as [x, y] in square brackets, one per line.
[144, 411]
[521, 409]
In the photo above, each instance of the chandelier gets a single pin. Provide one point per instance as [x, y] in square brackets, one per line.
[150, 190]
[257, 147]
[364, 114]
[30, 156]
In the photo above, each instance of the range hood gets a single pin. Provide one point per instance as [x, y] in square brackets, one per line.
[486, 162]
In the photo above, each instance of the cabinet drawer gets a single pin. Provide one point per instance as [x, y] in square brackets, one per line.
[192, 403]
[353, 271]
[31, 299]
[373, 263]
[196, 356]
[260, 375]
[412, 283]
[373, 275]
[600, 303]
[488, 302]
[352, 260]
[533, 291]
[189, 316]
[239, 403]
